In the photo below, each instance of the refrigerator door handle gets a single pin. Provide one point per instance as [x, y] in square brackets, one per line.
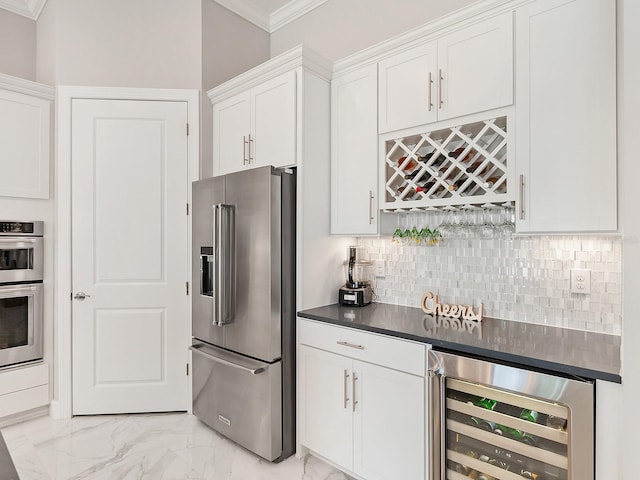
[229, 363]
[224, 283]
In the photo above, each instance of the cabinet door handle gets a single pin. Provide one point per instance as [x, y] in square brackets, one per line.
[351, 345]
[521, 197]
[245, 143]
[353, 391]
[440, 101]
[346, 378]
[250, 150]
[429, 87]
[371, 197]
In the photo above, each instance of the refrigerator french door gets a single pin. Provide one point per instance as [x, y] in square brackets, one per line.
[497, 422]
[244, 308]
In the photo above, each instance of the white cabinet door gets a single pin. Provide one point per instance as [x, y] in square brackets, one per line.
[407, 88]
[566, 116]
[476, 65]
[24, 145]
[389, 423]
[325, 389]
[231, 130]
[354, 152]
[273, 122]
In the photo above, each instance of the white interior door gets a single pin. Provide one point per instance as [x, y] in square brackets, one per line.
[129, 244]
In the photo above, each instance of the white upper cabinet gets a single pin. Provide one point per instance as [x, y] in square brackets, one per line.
[273, 114]
[566, 116]
[354, 152]
[256, 127]
[25, 149]
[467, 71]
[406, 88]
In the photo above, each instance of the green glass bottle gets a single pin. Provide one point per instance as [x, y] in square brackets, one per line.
[529, 415]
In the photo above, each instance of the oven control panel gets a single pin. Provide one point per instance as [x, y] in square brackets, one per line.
[21, 228]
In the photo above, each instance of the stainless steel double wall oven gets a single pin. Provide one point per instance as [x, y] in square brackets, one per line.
[21, 276]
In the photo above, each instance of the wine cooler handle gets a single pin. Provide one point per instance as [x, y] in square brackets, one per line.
[436, 424]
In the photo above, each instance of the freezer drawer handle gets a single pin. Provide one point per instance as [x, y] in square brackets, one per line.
[351, 345]
[252, 371]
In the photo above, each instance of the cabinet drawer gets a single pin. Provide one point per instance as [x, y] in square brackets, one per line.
[369, 347]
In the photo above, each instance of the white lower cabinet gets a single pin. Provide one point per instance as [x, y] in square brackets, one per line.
[354, 410]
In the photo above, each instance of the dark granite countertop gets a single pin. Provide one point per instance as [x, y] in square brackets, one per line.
[572, 352]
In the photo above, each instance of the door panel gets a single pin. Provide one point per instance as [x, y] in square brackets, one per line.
[256, 328]
[129, 233]
[231, 127]
[273, 107]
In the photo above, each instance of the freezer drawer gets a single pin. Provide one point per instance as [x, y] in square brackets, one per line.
[239, 397]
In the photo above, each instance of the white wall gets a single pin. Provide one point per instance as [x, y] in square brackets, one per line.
[339, 28]
[121, 43]
[230, 46]
[17, 45]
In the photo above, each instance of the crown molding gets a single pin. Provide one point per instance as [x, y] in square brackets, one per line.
[298, 57]
[268, 22]
[27, 87]
[249, 12]
[27, 8]
[292, 11]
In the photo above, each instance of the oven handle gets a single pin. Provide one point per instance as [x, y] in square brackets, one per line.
[12, 289]
[436, 424]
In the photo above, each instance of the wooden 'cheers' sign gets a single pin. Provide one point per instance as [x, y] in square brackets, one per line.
[431, 306]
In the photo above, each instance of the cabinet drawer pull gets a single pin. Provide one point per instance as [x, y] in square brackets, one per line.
[429, 87]
[353, 391]
[371, 197]
[440, 101]
[346, 377]
[351, 345]
[521, 197]
[250, 150]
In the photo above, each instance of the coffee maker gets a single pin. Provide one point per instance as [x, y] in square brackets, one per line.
[357, 291]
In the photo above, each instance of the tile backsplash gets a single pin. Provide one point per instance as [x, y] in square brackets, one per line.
[523, 279]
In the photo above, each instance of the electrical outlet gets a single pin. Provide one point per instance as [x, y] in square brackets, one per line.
[380, 268]
[580, 281]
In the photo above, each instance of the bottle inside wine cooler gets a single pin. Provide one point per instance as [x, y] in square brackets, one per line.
[494, 434]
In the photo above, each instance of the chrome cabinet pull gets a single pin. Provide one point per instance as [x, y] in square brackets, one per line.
[346, 378]
[350, 345]
[245, 144]
[521, 197]
[371, 197]
[353, 391]
[250, 150]
[429, 87]
[440, 101]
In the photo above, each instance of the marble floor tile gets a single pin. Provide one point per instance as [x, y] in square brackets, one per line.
[175, 446]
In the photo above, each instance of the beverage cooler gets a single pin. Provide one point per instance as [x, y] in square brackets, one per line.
[490, 421]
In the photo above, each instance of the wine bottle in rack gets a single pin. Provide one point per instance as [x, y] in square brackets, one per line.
[407, 165]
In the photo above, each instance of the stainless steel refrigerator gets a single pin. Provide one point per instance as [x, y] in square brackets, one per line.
[244, 308]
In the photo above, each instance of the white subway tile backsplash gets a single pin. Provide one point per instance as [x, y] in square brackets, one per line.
[524, 279]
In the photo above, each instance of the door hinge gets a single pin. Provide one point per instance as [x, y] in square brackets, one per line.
[187, 369]
[187, 129]
[187, 209]
[186, 284]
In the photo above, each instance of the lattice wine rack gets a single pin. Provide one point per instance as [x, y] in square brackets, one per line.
[453, 166]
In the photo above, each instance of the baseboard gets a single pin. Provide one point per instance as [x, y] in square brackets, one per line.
[24, 416]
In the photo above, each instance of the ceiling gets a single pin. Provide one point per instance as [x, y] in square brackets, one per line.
[270, 15]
